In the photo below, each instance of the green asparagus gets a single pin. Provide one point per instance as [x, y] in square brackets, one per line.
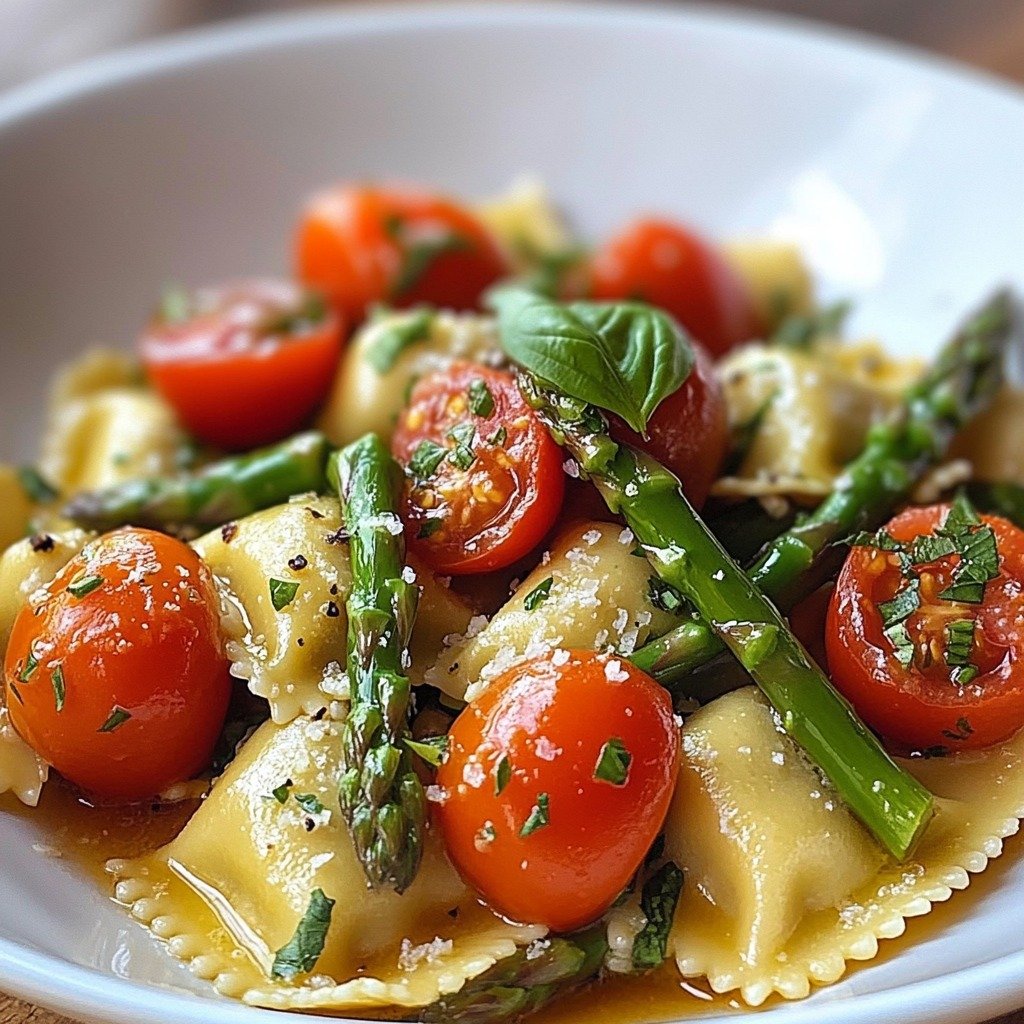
[381, 797]
[524, 982]
[957, 387]
[216, 493]
[684, 553]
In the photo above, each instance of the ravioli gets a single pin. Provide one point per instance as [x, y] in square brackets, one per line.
[230, 890]
[595, 596]
[293, 655]
[784, 886]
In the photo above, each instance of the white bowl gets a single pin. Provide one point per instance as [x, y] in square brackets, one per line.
[187, 160]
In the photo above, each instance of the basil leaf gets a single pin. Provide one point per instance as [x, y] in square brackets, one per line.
[613, 763]
[903, 605]
[426, 458]
[117, 717]
[59, 688]
[536, 597]
[390, 340]
[481, 401]
[282, 593]
[310, 311]
[301, 952]
[539, 817]
[428, 528]
[623, 357]
[903, 646]
[962, 516]
[280, 793]
[433, 749]
[502, 775]
[931, 547]
[175, 305]
[959, 642]
[799, 331]
[31, 664]
[658, 902]
[979, 563]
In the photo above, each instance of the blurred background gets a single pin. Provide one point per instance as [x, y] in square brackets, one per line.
[40, 35]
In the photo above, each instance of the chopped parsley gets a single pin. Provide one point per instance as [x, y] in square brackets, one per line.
[481, 401]
[613, 763]
[59, 688]
[301, 952]
[282, 593]
[502, 775]
[82, 585]
[280, 793]
[426, 458]
[433, 749]
[540, 593]
[463, 436]
[117, 717]
[658, 903]
[539, 817]
[390, 340]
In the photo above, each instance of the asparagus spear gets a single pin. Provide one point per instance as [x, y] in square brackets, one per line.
[212, 495]
[961, 383]
[684, 553]
[381, 796]
[523, 982]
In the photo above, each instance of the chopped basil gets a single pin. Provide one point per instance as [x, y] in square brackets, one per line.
[391, 340]
[536, 597]
[658, 903]
[800, 330]
[300, 954]
[462, 457]
[959, 642]
[309, 802]
[498, 438]
[613, 763]
[903, 605]
[175, 304]
[429, 527]
[426, 458]
[433, 749]
[280, 793]
[82, 585]
[59, 689]
[979, 563]
[903, 646]
[539, 817]
[35, 486]
[502, 775]
[117, 717]
[481, 401]
[963, 674]
[664, 596]
[310, 310]
[31, 664]
[282, 593]
[963, 730]
[881, 540]
[463, 436]
[930, 548]
[419, 255]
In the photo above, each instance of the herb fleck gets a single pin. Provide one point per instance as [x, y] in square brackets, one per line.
[59, 689]
[433, 749]
[392, 339]
[118, 716]
[481, 401]
[502, 775]
[540, 593]
[426, 458]
[539, 817]
[300, 954]
[82, 585]
[282, 593]
[613, 763]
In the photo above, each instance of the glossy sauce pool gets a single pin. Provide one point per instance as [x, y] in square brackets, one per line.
[89, 836]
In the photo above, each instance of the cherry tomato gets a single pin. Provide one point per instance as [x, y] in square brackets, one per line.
[485, 480]
[689, 431]
[669, 266]
[556, 783]
[244, 364]
[928, 702]
[115, 673]
[366, 244]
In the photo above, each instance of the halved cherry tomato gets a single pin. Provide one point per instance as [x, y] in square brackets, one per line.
[243, 364]
[485, 480]
[689, 431]
[669, 266]
[556, 783]
[929, 702]
[366, 244]
[115, 674]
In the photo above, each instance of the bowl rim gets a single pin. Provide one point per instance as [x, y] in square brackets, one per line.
[991, 987]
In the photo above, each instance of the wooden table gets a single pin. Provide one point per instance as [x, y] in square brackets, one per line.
[37, 35]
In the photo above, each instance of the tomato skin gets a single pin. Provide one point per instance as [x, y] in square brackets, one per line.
[145, 640]
[523, 474]
[689, 431]
[354, 240]
[669, 266]
[568, 872]
[920, 708]
[231, 384]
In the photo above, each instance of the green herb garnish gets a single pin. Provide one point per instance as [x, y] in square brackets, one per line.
[309, 802]
[658, 902]
[429, 527]
[35, 486]
[959, 642]
[903, 605]
[613, 763]
[502, 775]
[481, 401]
[118, 716]
[59, 689]
[82, 585]
[540, 593]
[300, 954]
[426, 458]
[280, 793]
[418, 256]
[31, 664]
[539, 817]
[963, 730]
[903, 646]
[391, 340]
[282, 593]
[433, 749]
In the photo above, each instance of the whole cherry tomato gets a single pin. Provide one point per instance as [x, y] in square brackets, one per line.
[689, 431]
[244, 364]
[948, 674]
[485, 480]
[115, 672]
[556, 782]
[669, 266]
[367, 244]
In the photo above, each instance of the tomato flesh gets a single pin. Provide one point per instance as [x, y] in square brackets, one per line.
[115, 674]
[689, 431]
[494, 484]
[529, 819]
[923, 705]
[244, 364]
[366, 244]
[669, 266]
